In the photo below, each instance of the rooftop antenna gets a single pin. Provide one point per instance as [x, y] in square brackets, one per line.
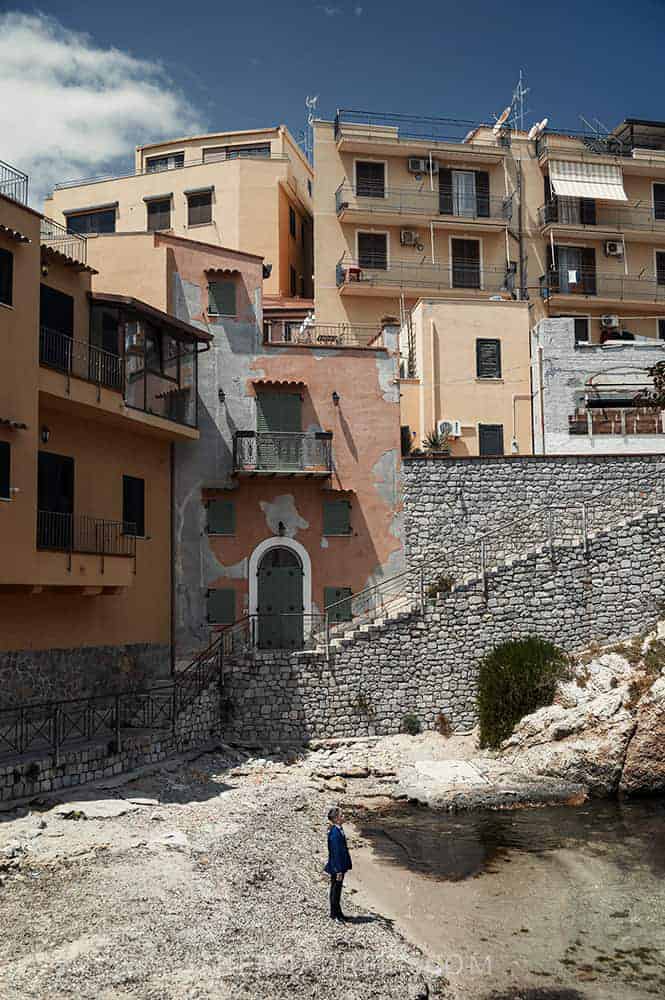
[518, 108]
[308, 144]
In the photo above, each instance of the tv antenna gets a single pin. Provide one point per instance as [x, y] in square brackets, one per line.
[518, 104]
[311, 104]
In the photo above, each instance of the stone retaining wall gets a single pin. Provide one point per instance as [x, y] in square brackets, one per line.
[40, 774]
[430, 667]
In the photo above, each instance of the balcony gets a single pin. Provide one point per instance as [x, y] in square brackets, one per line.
[279, 453]
[624, 421]
[81, 359]
[300, 333]
[13, 183]
[601, 287]
[397, 206]
[85, 535]
[643, 223]
[71, 247]
[378, 275]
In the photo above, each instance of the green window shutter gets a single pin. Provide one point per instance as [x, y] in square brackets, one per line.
[490, 439]
[222, 606]
[488, 358]
[221, 517]
[340, 612]
[336, 517]
[278, 411]
[222, 298]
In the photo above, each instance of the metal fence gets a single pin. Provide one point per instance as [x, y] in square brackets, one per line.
[322, 334]
[406, 201]
[13, 183]
[382, 127]
[377, 270]
[78, 357]
[199, 161]
[56, 237]
[585, 281]
[86, 535]
[567, 211]
[282, 452]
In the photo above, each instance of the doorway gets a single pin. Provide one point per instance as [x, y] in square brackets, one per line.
[280, 600]
[55, 501]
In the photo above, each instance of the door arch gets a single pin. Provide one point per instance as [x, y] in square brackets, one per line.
[303, 566]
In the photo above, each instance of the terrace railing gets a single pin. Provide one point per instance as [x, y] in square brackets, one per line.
[81, 359]
[56, 237]
[616, 218]
[266, 632]
[322, 334]
[13, 183]
[101, 178]
[83, 534]
[282, 452]
[426, 203]
[378, 270]
[380, 127]
[584, 281]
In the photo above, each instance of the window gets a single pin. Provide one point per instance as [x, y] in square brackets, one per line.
[56, 311]
[216, 154]
[582, 335]
[488, 358]
[490, 439]
[222, 298]
[659, 201]
[155, 164]
[373, 250]
[5, 483]
[660, 267]
[574, 269]
[336, 517]
[133, 506]
[6, 276]
[464, 192]
[309, 187]
[221, 518]
[370, 179]
[159, 214]
[221, 606]
[338, 600]
[292, 222]
[199, 208]
[293, 281]
[661, 329]
[101, 221]
[465, 263]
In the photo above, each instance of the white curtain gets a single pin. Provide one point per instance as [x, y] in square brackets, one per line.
[464, 192]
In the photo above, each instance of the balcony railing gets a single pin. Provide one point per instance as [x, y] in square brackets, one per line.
[623, 421]
[301, 332]
[81, 359]
[83, 534]
[282, 452]
[606, 286]
[379, 127]
[13, 183]
[101, 178]
[430, 204]
[377, 270]
[616, 218]
[55, 237]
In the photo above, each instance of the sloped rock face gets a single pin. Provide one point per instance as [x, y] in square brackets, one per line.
[644, 767]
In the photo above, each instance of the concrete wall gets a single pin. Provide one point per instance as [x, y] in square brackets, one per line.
[561, 370]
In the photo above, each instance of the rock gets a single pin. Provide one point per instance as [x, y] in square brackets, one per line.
[143, 802]
[97, 809]
[354, 771]
[383, 772]
[175, 839]
[335, 784]
[644, 767]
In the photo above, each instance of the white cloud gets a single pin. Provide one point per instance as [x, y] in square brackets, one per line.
[331, 11]
[357, 11]
[70, 108]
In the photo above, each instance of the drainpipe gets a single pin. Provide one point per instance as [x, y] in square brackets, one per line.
[172, 561]
[524, 292]
[514, 442]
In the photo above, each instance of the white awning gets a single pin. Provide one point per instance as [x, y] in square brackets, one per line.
[587, 180]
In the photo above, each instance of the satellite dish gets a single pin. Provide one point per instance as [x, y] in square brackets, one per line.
[541, 126]
[503, 117]
[469, 135]
[533, 131]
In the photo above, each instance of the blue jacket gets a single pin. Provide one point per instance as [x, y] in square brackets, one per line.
[339, 859]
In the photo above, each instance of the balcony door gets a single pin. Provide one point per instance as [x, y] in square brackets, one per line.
[56, 328]
[55, 500]
[575, 270]
[465, 263]
[280, 600]
[373, 251]
[279, 431]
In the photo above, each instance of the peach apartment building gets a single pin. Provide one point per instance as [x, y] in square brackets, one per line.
[249, 190]
[95, 391]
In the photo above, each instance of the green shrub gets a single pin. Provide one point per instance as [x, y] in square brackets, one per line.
[411, 724]
[516, 678]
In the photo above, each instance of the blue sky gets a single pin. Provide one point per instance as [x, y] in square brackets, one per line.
[226, 66]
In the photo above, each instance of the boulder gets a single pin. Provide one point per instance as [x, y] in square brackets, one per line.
[644, 767]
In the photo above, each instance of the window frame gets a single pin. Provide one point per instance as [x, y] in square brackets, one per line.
[659, 252]
[195, 195]
[139, 523]
[336, 534]
[91, 213]
[480, 287]
[228, 281]
[293, 222]
[382, 163]
[180, 155]
[497, 343]
[232, 506]
[501, 454]
[149, 205]
[7, 255]
[228, 591]
[660, 202]
[373, 232]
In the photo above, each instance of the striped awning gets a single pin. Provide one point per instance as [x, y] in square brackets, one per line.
[587, 180]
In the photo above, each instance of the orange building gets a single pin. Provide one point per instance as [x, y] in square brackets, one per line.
[95, 390]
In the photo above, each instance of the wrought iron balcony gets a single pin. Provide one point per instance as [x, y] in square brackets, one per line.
[377, 127]
[376, 270]
[55, 237]
[83, 534]
[13, 183]
[300, 332]
[282, 453]
[603, 286]
[81, 359]
[380, 200]
[616, 218]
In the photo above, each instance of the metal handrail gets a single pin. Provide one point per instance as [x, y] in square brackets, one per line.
[380, 126]
[615, 217]
[299, 332]
[409, 202]
[101, 178]
[453, 275]
[601, 284]
[13, 183]
[56, 237]
[288, 451]
[80, 533]
[81, 359]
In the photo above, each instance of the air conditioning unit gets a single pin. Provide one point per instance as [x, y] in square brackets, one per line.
[609, 322]
[613, 248]
[408, 237]
[417, 166]
[451, 428]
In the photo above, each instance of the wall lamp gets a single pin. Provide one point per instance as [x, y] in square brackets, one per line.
[335, 398]
[45, 434]
[221, 395]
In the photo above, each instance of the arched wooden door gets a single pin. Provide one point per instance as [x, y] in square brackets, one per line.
[280, 600]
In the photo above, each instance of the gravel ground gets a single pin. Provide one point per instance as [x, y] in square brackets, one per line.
[209, 885]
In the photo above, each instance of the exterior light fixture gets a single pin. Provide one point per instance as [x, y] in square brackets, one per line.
[45, 434]
[221, 395]
[335, 397]
[281, 529]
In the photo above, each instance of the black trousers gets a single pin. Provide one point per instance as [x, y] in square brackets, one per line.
[336, 896]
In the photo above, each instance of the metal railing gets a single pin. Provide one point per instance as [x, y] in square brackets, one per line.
[430, 204]
[55, 726]
[86, 535]
[380, 127]
[379, 270]
[559, 142]
[616, 218]
[621, 421]
[101, 178]
[13, 183]
[81, 359]
[56, 237]
[282, 452]
[322, 334]
[559, 281]
[288, 630]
